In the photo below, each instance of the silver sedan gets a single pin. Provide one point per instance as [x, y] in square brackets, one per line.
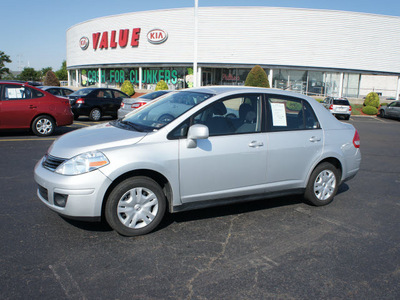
[132, 170]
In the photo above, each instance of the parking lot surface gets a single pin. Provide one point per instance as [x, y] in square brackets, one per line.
[270, 249]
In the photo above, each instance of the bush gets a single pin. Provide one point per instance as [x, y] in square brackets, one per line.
[384, 104]
[370, 110]
[161, 85]
[127, 88]
[372, 99]
[257, 77]
[50, 79]
[291, 105]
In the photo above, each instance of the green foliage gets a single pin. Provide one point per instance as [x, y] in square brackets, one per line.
[62, 74]
[44, 71]
[4, 59]
[161, 85]
[257, 77]
[370, 110]
[29, 74]
[51, 79]
[320, 100]
[291, 105]
[384, 104]
[372, 99]
[127, 88]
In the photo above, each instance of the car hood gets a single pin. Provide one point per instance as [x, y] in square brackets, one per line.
[92, 138]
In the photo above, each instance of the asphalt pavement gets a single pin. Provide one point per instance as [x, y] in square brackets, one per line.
[270, 249]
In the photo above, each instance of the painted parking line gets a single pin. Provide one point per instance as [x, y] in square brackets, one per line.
[24, 140]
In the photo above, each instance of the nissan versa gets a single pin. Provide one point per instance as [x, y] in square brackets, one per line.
[131, 170]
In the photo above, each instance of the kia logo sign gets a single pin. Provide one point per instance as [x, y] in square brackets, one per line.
[157, 36]
[84, 43]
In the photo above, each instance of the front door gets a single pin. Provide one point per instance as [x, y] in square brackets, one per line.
[233, 160]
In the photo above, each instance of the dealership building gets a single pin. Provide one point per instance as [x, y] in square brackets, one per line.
[310, 51]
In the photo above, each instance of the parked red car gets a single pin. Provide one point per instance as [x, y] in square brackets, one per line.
[24, 106]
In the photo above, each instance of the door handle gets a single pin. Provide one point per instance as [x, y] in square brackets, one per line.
[255, 144]
[32, 106]
[314, 139]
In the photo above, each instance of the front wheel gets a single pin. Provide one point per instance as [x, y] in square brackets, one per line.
[322, 185]
[43, 126]
[382, 113]
[135, 206]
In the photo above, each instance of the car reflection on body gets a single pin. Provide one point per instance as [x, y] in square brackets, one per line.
[132, 170]
[128, 105]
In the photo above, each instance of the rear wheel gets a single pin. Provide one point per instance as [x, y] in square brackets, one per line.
[322, 185]
[95, 114]
[43, 126]
[382, 113]
[135, 206]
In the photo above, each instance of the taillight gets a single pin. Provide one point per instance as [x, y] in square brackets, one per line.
[137, 104]
[80, 101]
[356, 140]
[331, 107]
[122, 104]
[350, 108]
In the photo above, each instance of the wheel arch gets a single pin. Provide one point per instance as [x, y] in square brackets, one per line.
[332, 160]
[154, 175]
[44, 115]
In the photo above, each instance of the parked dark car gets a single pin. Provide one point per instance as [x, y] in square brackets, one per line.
[57, 91]
[96, 102]
[24, 106]
[392, 110]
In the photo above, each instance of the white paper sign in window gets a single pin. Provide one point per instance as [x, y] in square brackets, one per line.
[278, 114]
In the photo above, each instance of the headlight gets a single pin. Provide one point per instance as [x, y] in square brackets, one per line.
[83, 163]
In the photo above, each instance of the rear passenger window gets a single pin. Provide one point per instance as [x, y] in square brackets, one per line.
[290, 114]
[17, 92]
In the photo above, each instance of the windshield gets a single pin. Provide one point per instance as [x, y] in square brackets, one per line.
[82, 92]
[162, 111]
[153, 95]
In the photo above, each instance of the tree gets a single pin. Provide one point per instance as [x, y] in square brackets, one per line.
[4, 58]
[257, 77]
[127, 88]
[161, 85]
[51, 79]
[62, 74]
[29, 74]
[44, 71]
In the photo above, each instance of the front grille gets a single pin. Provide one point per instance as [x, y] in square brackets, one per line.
[51, 162]
[43, 192]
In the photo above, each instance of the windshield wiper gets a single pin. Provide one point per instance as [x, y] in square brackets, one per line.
[132, 125]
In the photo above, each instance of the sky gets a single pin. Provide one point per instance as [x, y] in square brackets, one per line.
[33, 33]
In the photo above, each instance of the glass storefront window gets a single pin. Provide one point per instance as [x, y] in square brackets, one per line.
[332, 84]
[316, 83]
[351, 84]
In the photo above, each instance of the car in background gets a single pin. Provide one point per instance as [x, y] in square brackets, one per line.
[24, 106]
[338, 107]
[128, 105]
[392, 110]
[57, 91]
[130, 171]
[96, 102]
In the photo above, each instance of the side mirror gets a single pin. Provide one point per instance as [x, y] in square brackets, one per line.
[196, 132]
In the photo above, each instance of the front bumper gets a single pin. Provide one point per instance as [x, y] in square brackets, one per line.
[82, 194]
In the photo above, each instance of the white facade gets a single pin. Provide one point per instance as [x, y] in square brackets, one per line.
[240, 37]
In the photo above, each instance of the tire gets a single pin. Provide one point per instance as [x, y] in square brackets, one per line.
[95, 114]
[347, 117]
[137, 215]
[322, 185]
[43, 126]
[165, 118]
[382, 113]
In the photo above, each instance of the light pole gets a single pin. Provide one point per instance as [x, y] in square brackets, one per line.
[196, 5]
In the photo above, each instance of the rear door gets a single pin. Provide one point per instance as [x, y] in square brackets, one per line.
[17, 106]
[295, 141]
